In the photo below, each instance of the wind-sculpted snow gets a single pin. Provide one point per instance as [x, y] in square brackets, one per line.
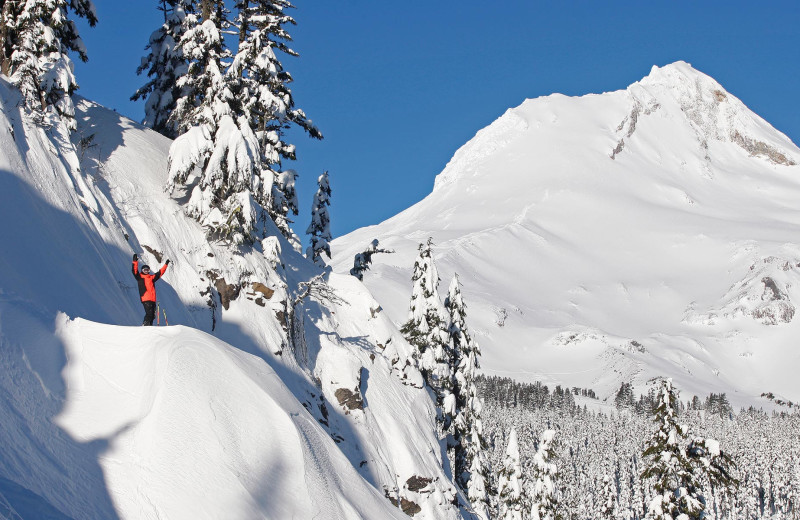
[233, 410]
[178, 409]
[485, 143]
[625, 218]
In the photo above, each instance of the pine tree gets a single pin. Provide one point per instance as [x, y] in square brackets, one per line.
[471, 468]
[362, 260]
[284, 203]
[510, 484]
[479, 468]
[227, 198]
[234, 110]
[608, 499]
[713, 468]
[669, 465]
[164, 65]
[543, 499]
[263, 85]
[624, 398]
[9, 11]
[426, 329]
[38, 36]
[320, 227]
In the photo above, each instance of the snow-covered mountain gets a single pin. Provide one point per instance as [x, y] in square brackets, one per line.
[245, 406]
[616, 237]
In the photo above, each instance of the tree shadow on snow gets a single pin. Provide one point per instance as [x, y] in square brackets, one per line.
[44, 472]
[51, 261]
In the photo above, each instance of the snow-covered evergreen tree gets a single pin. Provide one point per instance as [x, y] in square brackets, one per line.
[470, 467]
[219, 153]
[608, 499]
[263, 85]
[38, 36]
[8, 14]
[284, 203]
[164, 64]
[233, 110]
[713, 469]
[678, 493]
[320, 227]
[362, 260]
[426, 329]
[624, 398]
[543, 498]
[479, 468]
[510, 483]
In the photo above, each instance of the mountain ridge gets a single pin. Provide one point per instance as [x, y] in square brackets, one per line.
[608, 217]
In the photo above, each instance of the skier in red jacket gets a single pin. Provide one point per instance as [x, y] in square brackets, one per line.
[147, 288]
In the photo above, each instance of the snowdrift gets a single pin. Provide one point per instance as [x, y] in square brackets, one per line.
[616, 237]
[182, 425]
[252, 403]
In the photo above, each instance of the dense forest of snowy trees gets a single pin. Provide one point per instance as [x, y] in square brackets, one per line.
[599, 455]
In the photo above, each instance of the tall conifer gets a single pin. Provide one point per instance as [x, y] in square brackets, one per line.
[320, 227]
[471, 469]
[38, 36]
[511, 495]
[681, 468]
[165, 63]
[426, 329]
[233, 109]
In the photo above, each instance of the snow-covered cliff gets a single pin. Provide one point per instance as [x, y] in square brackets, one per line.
[255, 402]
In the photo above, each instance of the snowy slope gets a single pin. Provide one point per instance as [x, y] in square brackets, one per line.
[219, 415]
[615, 237]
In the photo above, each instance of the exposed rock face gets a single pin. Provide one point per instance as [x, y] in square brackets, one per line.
[417, 483]
[259, 288]
[349, 399]
[227, 292]
[410, 508]
[407, 506]
[263, 289]
[764, 295]
[761, 149]
[157, 254]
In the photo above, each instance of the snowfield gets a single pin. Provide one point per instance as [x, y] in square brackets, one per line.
[219, 414]
[616, 237]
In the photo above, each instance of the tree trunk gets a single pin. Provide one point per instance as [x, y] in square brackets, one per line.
[206, 6]
[242, 5]
[5, 58]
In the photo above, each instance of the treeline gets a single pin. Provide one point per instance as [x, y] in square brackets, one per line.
[503, 391]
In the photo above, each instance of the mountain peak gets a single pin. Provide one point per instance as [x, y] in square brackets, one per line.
[676, 73]
[626, 223]
[686, 84]
[712, 112]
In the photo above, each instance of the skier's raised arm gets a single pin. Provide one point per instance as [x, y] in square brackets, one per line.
[161, 271]
[136, 266]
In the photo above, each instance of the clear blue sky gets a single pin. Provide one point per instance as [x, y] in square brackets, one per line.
[396, 88]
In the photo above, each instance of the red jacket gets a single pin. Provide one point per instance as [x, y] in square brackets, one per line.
[147, 287]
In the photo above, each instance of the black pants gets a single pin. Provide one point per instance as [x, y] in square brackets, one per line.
[149, 313]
